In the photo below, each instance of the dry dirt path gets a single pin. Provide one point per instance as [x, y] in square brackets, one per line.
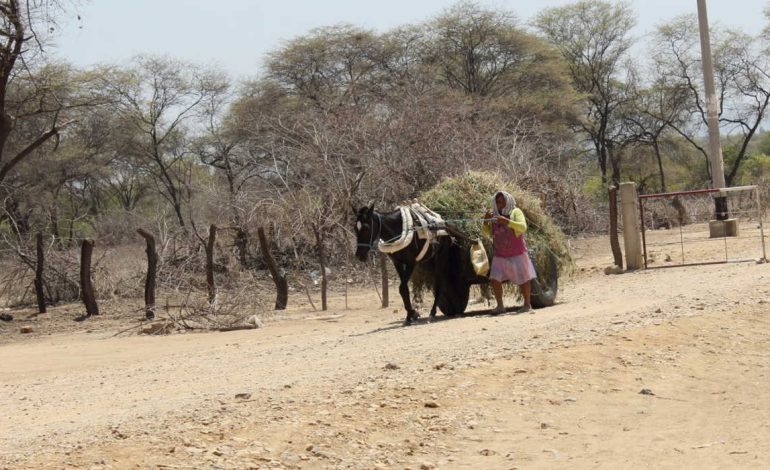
[354, 389]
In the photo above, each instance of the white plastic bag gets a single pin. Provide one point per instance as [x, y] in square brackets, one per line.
[479, 258]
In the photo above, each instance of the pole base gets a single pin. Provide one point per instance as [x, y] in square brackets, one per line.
[723, 228]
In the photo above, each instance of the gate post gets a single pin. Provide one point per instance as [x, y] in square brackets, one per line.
[631, 238]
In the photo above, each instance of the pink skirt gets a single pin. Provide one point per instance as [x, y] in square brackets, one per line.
[517, 269]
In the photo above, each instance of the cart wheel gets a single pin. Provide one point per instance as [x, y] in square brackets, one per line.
[455, 288]
[453, 301]
[543, 292]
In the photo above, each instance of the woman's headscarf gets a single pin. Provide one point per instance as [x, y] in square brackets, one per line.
[510, 204]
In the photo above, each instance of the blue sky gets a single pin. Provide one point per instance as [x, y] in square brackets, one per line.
[236, 34]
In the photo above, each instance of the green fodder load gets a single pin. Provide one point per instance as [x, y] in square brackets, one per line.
[463, 201]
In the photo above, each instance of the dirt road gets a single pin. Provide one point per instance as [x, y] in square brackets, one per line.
[668, 368]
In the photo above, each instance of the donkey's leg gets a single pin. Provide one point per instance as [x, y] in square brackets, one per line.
[404, 273]
[440, 266]
[436, 294]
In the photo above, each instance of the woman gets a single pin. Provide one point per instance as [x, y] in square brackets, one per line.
[506, 224]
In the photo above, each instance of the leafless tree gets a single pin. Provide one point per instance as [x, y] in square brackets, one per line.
[236, 157]
[594, 38]
[158, 97]
[742, 80]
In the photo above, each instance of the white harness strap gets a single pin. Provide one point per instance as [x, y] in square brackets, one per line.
[423, 231]
[407, 234]
[428, 222]
[424, 251]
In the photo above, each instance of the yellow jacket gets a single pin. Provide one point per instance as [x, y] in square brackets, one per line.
[517, 223]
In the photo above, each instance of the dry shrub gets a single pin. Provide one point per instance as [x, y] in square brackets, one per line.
[561, 189]
[114, 228]
[191, 310]
[16, 283]
[116, 273]
[119, 272]
[61, 276]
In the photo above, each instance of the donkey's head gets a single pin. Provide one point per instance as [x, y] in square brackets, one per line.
[367, 231]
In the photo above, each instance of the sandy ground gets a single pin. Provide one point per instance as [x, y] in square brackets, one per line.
[664, 368]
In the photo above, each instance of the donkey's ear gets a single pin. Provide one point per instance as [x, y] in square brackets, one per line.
[353, 208]
[371, 206]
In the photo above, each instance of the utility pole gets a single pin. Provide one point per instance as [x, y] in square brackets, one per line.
[715, 147]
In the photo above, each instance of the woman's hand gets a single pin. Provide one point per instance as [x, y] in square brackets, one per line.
[501, 219]
[489, 216]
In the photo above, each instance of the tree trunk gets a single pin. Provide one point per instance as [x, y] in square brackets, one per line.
[241, 235]
[660, 167]
[322, 262]
[168, 182]
[71, 232]
[212, 288]
[18, 218]
[39, 274]
[152, 269]
[385, 283]
[55, 227]
[746, 140]
[179, 217]
[86, 286]
[278, 274]
[601, 152]
[614, 243]
[242, 244]
[615, 164]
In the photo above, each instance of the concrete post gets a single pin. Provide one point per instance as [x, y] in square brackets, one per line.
[632, 240]
[721, 212]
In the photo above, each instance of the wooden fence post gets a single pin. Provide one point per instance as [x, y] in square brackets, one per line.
[39, 292]
[152, 269]
[210, 263]
[86, 286]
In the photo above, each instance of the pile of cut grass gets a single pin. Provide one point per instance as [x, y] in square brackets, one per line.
[463, 201]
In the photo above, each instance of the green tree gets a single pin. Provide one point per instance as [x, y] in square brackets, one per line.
[224, 145]
[158, 98]
[763, 144]
[594, 38]
[330, 66]
[16, 41]
[52, 92]
[485, 53]
[33, 97]
[652, 114]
